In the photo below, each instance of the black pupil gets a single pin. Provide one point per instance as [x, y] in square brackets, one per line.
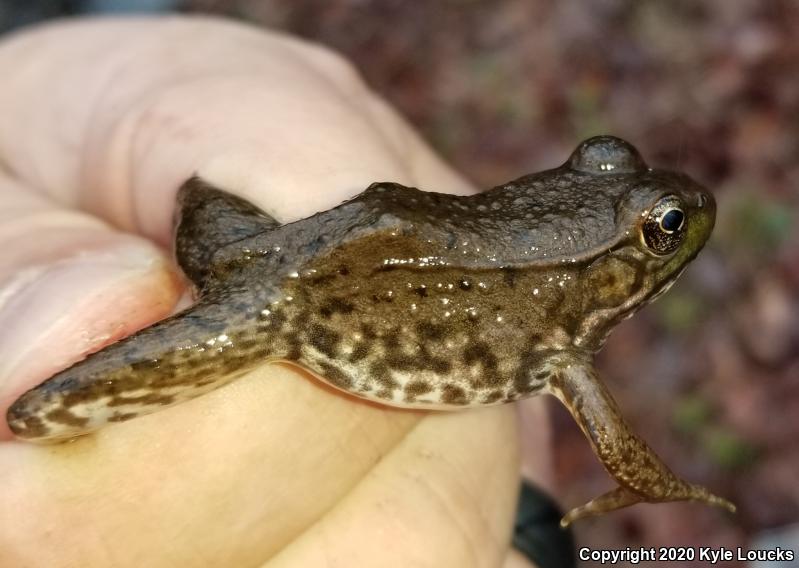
[672, 220]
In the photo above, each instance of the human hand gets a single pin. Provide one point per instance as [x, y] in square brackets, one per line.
[102, 121]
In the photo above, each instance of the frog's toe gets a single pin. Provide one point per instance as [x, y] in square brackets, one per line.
[35, 417]
[24, 423]
[699, 493]
[621, 497]
[615, 499]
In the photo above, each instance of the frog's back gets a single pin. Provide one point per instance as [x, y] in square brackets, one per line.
[542, 218]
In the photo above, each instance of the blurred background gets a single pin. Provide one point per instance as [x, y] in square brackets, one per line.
[708, 375]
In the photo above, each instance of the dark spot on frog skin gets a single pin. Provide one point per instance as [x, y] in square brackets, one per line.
[336, 306]
[509, 276]
[431, 331]
[368, 332]
[295, 345]
[325, 340]
[453, 394]
[401, 362]
[382, 375]
[336, 376]
[66, 417]
[435, 364]
[230, 364]
[248, 343]
[385, 394]
[481, 353]
[415, 389]
[192, 363]
[321, 280]
[523, 381]
[121, 416]
[392, 340]
[146, 365]
[492, 397]
[145, 399]
[359, 352]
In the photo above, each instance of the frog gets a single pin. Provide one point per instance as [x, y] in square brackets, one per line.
[416, 299]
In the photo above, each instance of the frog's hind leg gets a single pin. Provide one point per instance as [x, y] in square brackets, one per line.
[175, 360]
[641, 474]
[208, 219]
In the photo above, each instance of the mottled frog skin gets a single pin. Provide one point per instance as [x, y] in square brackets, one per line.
[415, 299]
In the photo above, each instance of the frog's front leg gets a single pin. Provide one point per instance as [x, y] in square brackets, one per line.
[641, 474]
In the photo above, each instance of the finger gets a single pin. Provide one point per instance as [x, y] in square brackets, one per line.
[431, 502]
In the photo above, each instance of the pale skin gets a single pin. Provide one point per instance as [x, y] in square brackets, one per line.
[102, 122]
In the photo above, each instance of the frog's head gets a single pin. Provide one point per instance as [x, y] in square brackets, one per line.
[662, 220]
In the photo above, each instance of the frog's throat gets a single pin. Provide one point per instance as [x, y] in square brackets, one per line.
[596, 326]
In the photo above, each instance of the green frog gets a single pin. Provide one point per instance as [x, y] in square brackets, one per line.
[416, 299]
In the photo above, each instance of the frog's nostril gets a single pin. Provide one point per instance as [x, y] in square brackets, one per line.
[702, 200]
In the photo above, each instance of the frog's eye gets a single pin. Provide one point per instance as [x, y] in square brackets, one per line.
[662, 230]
